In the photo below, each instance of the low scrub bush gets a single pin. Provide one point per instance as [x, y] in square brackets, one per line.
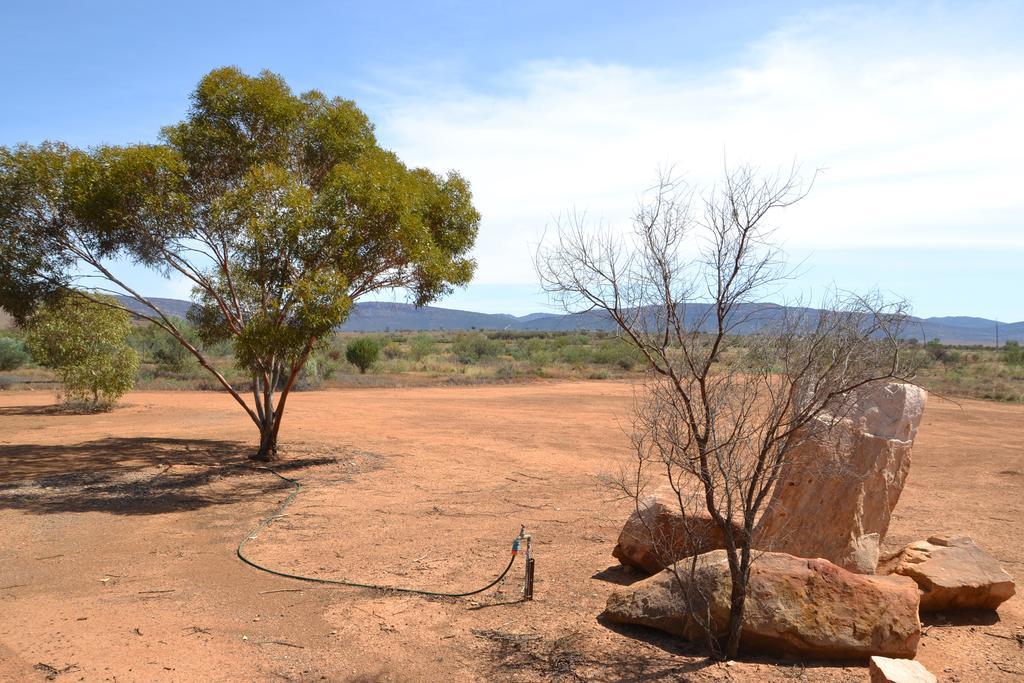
[392, 350]
[1013, 353]
[12, 353]
[618, 353]
[475, 346]
[576, 355]
[936, 351]
[158, 348]
[421, 346]
[506, 371]
[311, 376]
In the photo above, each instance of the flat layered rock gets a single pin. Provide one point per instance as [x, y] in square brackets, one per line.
[954, 573]
[795, 607]
[888, 670]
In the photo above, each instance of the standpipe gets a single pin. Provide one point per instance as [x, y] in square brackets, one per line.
[522, 541]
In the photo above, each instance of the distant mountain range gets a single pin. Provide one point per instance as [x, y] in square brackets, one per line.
[379, 316]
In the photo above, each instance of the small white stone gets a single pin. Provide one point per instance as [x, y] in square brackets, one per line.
[887, 670]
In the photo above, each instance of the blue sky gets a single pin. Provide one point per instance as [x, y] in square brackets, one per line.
[913, 111]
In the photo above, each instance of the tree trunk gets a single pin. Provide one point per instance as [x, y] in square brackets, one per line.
[268, 442]
[738, 599]
[740, 576]
[270, 419]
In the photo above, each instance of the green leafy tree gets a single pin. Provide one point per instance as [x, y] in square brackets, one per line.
[362, 353]
[279, 208]
[86, 343]
[12, 353]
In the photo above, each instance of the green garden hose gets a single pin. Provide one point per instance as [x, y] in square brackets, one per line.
[344, 582]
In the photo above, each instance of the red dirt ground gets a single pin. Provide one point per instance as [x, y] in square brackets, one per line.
[118, 534]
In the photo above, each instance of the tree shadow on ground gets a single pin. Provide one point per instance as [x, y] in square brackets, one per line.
[620, 575]
[570, 658]
[136, 476]
[36, 411]
[675, 648]
[27, 462]
[668, 657]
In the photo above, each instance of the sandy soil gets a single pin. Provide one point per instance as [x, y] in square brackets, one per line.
[118, 536]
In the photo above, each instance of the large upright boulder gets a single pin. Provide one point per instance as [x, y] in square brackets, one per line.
[658, 533]
[794, 607]
[954, 573]
[838, 488]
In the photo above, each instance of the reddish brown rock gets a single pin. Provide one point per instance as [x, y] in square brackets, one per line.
[954, 573]
[794, 607]
[658, 534]
[834, 498]
[838, 488]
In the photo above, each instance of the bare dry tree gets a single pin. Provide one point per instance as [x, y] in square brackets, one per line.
[736, 384]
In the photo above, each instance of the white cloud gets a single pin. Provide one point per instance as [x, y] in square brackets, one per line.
[918, 127]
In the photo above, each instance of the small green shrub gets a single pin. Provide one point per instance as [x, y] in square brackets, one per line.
[327, 364]
[1013, 353]
[470, 348]
[12, 353]
[311, 376]
[618, 353]
[362, 353]
[506, 371]
[86, 343]
[575, 355]
[155, 345]
[420, 347]
[392, 350]
[936, 351]
[172, 357]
